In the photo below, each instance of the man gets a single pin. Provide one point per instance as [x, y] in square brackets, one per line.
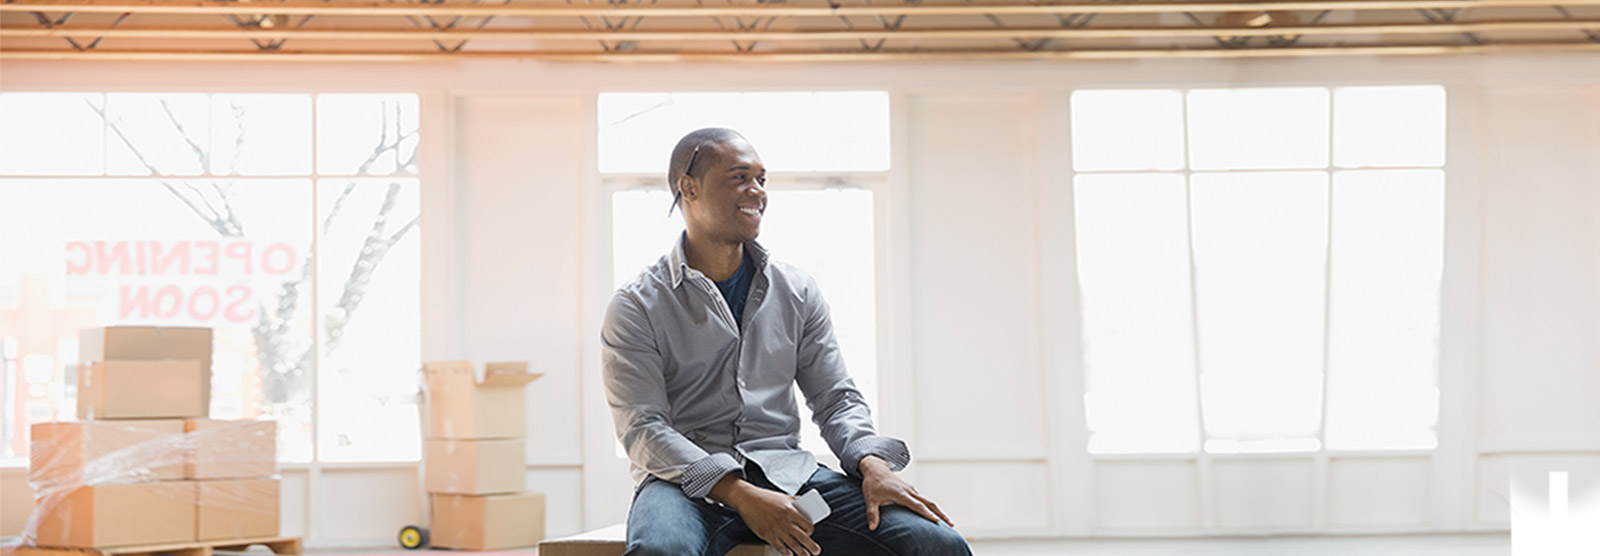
[701, 354]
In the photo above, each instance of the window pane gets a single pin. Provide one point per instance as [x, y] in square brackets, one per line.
[1133, 267]
[164, 134]
[261, 135]
[828, 234]
[369, 302]
[863, 148]
[1388, 126]
[1260, 243]
[1258, 129]
[52, 134]
[226, 254]
[1388, 244]
[793, 131]
[641, 231]
[1127, 130]
[367, 134]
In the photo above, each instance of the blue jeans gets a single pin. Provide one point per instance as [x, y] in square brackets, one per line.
[665, 522]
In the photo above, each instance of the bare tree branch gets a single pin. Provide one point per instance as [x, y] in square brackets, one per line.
[373, 250]
[385, 145]
[199, 153]
[337, 204]
[123, 137]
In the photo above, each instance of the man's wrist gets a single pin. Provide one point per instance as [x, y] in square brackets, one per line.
[731, 490]
[873, 465]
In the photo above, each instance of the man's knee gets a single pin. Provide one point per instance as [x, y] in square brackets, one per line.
[942, 541]
[663, 545]
[908, 534]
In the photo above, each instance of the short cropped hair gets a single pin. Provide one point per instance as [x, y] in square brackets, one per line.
[706, 139]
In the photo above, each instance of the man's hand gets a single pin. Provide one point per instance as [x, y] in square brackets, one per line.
[881, 487]
[770, 515]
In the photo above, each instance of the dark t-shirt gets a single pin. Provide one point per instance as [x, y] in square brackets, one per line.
[737, 287]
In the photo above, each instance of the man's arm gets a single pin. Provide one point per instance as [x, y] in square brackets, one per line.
[837, 407]
[636, 390]
[846, 421]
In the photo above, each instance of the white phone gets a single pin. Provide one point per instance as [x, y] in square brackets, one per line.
[812, 506]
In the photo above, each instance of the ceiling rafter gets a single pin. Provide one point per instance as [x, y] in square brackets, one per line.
[542, 9]
[785, 30]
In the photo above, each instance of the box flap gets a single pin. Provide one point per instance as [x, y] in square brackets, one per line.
[448, 367]
[516, 373]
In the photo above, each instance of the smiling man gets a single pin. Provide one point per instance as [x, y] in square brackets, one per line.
[701, 356]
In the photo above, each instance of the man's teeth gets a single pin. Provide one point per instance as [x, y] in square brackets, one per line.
[750, 211]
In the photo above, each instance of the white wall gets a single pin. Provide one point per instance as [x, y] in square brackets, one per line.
[976, 229]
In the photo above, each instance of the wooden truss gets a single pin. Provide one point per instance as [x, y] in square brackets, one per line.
[782, 30]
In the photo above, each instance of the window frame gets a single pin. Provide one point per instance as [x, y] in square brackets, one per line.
[1331, 170]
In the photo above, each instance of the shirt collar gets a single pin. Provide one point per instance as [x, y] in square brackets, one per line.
[678, 263]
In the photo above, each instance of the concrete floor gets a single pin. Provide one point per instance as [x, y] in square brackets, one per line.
[1498, 544]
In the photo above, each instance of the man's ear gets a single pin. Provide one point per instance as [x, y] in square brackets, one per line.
[686, 186]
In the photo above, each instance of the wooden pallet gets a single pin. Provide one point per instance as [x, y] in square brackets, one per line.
[282, 546]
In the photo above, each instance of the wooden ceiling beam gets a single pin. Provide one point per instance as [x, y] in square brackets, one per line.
[841, 34]
[528, 9]
[815, 56]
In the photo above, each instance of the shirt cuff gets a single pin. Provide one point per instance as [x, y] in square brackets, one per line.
[892, 450]
[700, 476]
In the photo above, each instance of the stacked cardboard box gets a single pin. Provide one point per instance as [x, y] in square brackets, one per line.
[144, 465]
[475, 463]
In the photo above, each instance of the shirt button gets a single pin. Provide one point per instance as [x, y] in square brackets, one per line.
[741, 383]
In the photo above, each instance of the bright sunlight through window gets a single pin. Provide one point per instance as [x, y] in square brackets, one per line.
[1260, 267]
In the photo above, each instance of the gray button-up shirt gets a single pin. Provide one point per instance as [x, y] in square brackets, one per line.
[694, 397]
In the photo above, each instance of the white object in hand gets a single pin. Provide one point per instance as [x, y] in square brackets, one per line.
[812, 506]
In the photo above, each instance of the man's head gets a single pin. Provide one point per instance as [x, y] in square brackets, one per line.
[718, 180]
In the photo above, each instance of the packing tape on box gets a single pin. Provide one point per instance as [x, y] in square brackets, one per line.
[68, 457]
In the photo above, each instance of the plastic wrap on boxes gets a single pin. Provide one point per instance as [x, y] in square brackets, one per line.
[101, 484]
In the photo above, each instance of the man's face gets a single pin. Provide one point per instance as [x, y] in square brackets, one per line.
[731, 197]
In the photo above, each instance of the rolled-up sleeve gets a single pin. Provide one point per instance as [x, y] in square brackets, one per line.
[637, 393]
[837, 407]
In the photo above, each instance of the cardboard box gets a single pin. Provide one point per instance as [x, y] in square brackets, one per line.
[236, 509]
[145, 343]
[493, 522]
[80, 452]
[612, 541]
[167, 389]
[118, 515]
[462, 407]
[475, 466]
[231, 449]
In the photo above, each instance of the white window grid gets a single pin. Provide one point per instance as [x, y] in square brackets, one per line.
[1322, 453]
